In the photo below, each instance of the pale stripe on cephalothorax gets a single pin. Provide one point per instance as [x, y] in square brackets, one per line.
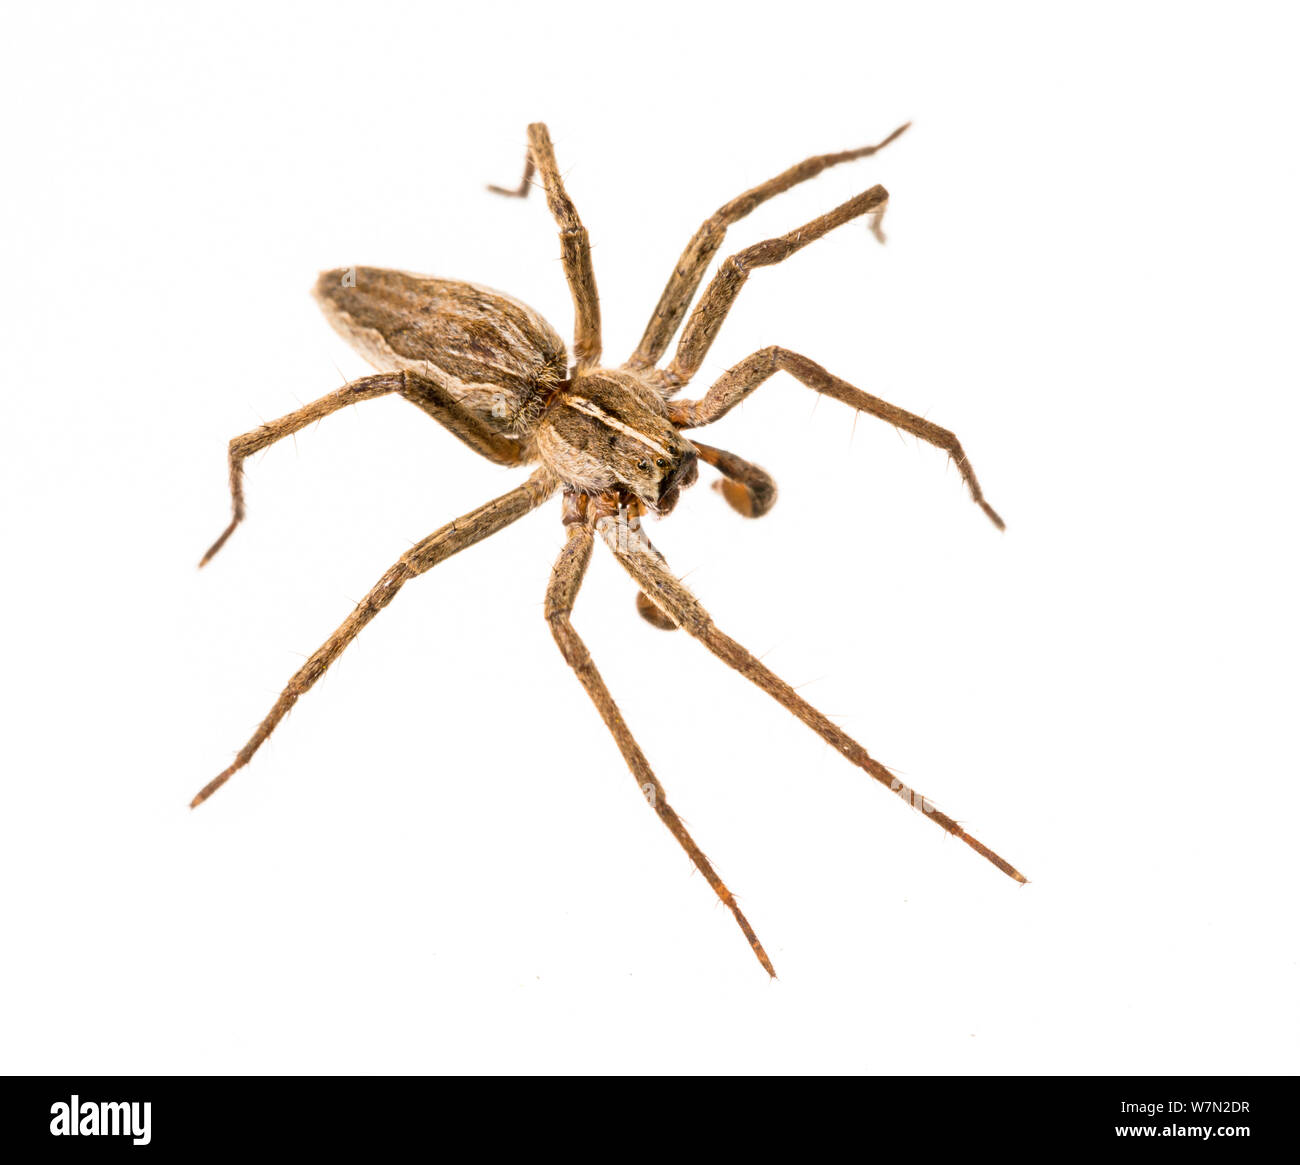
[583, 405]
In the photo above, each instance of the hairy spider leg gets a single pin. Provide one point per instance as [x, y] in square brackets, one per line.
[478, 524]
[702, 327]
[664, 589]
[566, 579]
[748, 490]
[686, 276]
[736, 384]
[420, 391]
[575, 246]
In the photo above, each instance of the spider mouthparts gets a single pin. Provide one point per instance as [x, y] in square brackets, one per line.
[670, 489]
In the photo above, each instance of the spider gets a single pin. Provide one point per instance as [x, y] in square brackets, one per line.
[609, 440]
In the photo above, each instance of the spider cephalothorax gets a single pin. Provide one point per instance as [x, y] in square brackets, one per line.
[608, 429]
[496, 374]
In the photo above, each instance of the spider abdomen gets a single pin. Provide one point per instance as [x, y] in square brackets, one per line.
[495, 355]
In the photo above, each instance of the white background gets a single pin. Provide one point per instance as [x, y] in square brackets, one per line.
[440, 863]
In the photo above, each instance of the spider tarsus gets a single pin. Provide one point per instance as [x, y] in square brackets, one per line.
[218, 544]
[898, 133]
[748, 932]
[980, 848]
[993, 515]
[211, 787]
[1011, 871]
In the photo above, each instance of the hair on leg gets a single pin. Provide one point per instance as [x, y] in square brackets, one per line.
[686, 276]
[736, 384]
[423, 556]
[561, 594]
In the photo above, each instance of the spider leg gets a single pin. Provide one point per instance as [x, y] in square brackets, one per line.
[245, 445]
[574, 244]
[671, 596]
[566, 579]
[520, 191]
[749, 490]
[441, 544]
[444, 407]
[425, 394]
[686, 276]
[702, 328]
[644, 607]
[745, 377]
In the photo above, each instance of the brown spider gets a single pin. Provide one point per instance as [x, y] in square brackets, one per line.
[496, 374]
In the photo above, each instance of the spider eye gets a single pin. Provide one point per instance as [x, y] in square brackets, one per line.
[661, 463]
[643, 465]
